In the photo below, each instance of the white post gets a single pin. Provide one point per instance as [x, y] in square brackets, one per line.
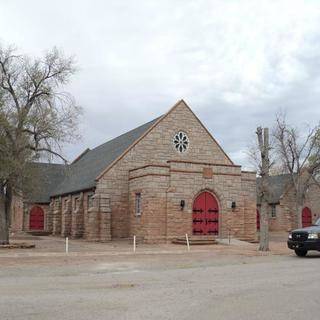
[134, 243]
[187, 242]
[67, 244]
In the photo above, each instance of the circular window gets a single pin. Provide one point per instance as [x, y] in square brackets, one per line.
[181, 141]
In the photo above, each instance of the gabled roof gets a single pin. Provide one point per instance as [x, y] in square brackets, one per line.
[82, 173]
[278, 185]
[45, 177]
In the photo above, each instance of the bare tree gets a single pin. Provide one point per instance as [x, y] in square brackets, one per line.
[299, 156]
[264, 191]
[36, 118]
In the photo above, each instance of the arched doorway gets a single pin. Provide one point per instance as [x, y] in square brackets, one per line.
[306, 217]
[258, 220]
[205, 216]
[36, 220]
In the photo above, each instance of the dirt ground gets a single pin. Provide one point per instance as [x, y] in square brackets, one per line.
[109, 281]
[50, 250]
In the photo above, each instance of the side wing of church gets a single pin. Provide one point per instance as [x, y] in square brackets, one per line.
[159, 181]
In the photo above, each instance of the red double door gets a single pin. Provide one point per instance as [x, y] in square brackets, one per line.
[36, 221]
[205, 215]
[306, 217]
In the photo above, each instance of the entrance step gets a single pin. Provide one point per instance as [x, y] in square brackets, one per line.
[195, 240]
[39, 233]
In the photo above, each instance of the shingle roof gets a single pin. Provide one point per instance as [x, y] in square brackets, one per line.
[278, 185]
[82, 173]
[45, 177]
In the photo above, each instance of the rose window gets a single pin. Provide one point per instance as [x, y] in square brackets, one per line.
[181, 141]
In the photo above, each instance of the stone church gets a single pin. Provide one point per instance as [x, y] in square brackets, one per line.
[282, 211]
[162, 180]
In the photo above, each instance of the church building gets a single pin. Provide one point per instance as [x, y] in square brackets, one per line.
[162, 180]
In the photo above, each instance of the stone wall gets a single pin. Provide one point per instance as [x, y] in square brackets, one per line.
[188, 180]
[162, 188]
[70, 215]
[66, 216]
[16, 219]
[152, 183]
[57, 215]
[249, 191]
[99, 219]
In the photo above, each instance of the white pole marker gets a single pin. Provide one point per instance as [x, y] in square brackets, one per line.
[67, 244]
[187, 238]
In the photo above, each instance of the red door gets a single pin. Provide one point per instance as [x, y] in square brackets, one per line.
[258, 220]
[306, 217]
[205, 215]
[36, 221]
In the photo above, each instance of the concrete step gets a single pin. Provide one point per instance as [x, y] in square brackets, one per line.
[195, 240]
[39, 233]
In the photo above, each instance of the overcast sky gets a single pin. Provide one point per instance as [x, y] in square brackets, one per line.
[236, 63]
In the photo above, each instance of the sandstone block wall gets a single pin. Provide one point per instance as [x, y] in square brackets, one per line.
[162, 188]
[66, 216]
[17, 212]
[56, 216]
[152, 182]
[248, 185]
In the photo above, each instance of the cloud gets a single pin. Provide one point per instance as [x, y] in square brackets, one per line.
[235, 62]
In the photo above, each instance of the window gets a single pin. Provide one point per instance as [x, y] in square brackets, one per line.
[273, 211]
[90, 201]
[138, 204]
[65, 203]
[181, 142]
[76, 203]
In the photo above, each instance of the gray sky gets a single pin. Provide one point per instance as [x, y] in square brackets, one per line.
[236, 63]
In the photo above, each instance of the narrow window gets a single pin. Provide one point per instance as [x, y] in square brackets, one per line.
[76, 203]
[90, 201]
[273, 211]
[138, 204]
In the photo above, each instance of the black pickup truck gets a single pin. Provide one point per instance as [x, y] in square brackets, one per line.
[305, 239]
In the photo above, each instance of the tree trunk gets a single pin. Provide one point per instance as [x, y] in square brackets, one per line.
[263, 141]
[299, 208]
[4, 225]
[264, 227]
[5, 212]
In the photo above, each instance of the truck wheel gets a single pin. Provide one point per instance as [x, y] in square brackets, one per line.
[301, 253]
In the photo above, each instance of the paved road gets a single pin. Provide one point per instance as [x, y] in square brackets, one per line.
[194, 286]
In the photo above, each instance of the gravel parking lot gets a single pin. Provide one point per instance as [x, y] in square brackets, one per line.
[212, 282]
